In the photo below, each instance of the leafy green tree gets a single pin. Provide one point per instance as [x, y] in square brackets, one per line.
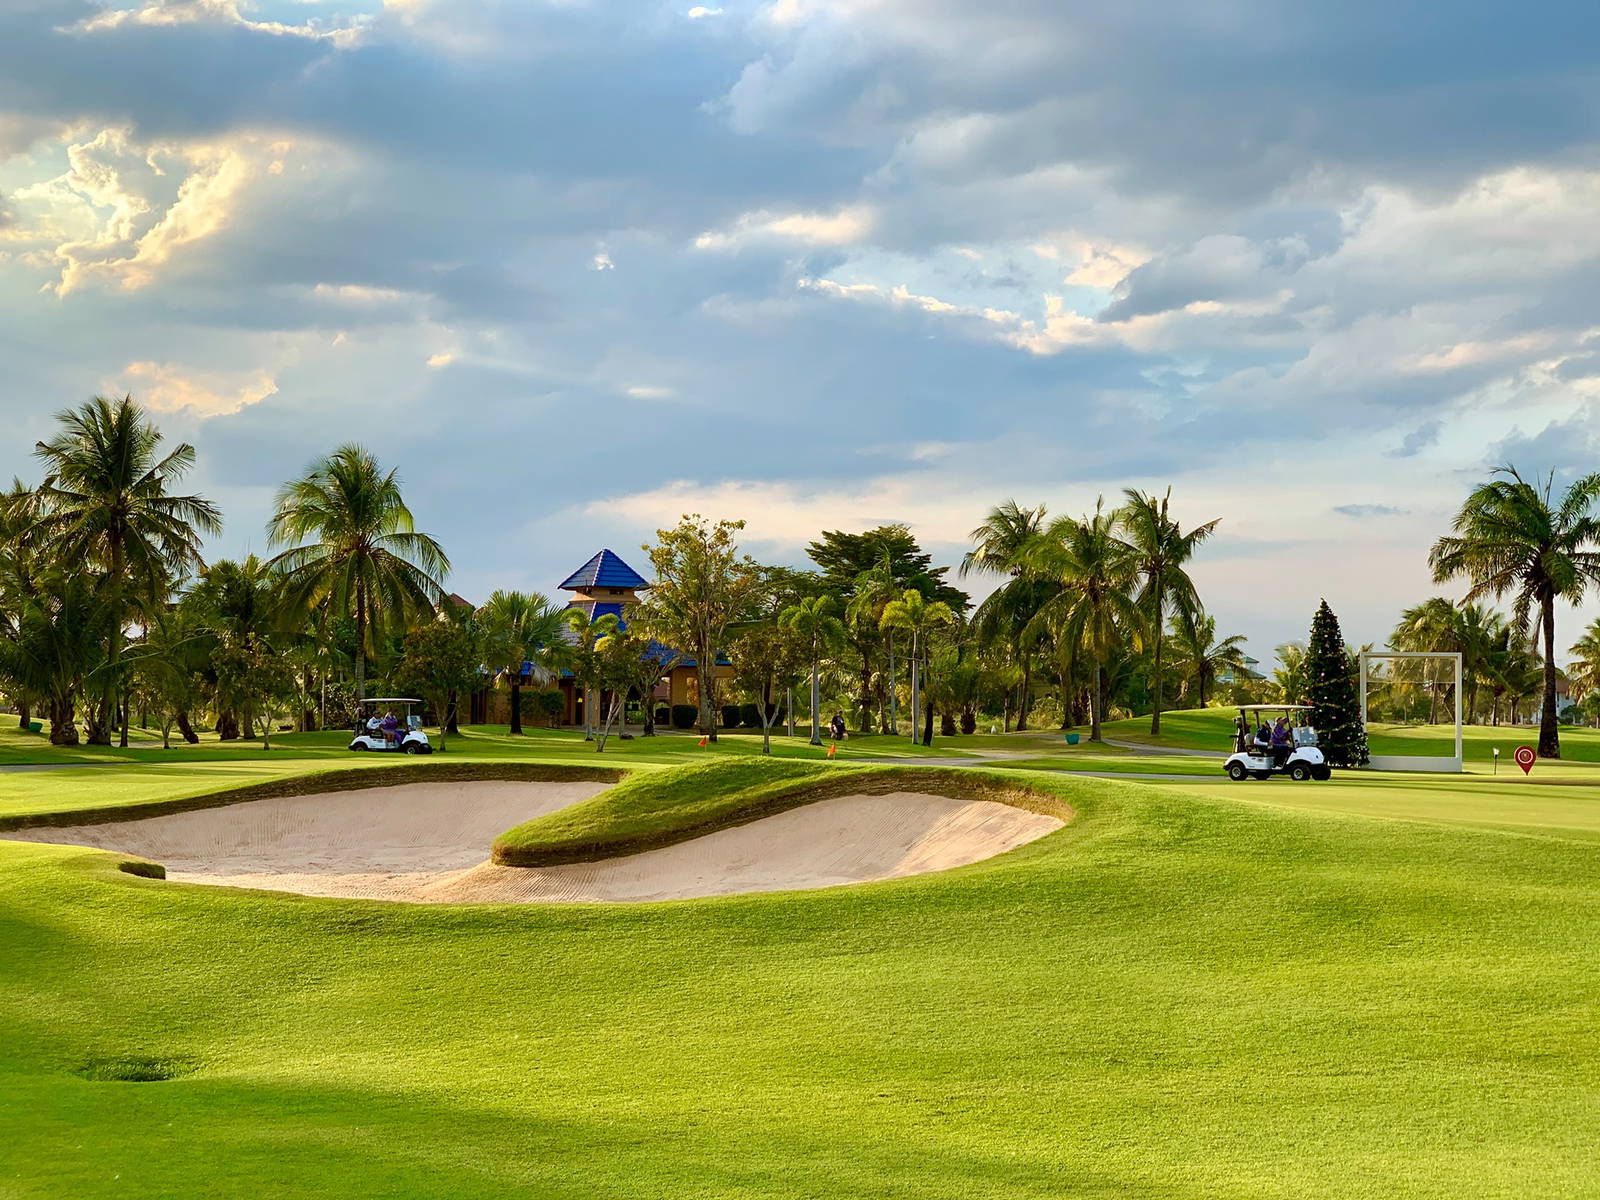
[440, 661]
[769, 659]
[253, 681]
[105, 505]
[1584, 668]
[523, 627]
[1161, 552]
[353, 546]
[167, 665]
[58, 642]
[1331, 691]
[884, 562]
[815, 624]
[704, 587]
[918, 617]
[1511, 537]
[1290, 675]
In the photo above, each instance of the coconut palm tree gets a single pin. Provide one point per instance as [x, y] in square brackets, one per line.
[1511, 537]
[1094, 611]
[1161, 550]
[583, 659]
[523, 627]
[919, 617]
[1199, 653]
[354, 545]
[815, 621]
[105, 504]
[1000, 546]
[1584, 669]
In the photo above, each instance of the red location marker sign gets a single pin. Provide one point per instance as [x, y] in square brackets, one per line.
[1526, 757]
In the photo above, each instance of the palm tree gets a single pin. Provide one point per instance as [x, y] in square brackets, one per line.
[864, 612]
[815, 621]
[1510, 537]
[1584, 669]
[105, 504]
[235, 607]
[1201, 655]
[1094, 610]
[1000, 546]
[523, 627]
[919, 617]
[353, 545]
[1160, 550]
[585, 633]
[1290, 674]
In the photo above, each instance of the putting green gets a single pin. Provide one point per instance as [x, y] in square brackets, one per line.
[1366, 988]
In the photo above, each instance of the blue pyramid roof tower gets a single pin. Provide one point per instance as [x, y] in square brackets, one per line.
[604, 570]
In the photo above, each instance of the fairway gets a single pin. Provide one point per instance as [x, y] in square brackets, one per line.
[1364, 988]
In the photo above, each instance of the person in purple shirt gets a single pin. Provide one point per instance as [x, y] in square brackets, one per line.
[1281, 738]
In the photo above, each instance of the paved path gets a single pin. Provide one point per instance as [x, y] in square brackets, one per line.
[1158, 751]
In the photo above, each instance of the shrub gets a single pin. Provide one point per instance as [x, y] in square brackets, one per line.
[750, 716]
[663, 715]
[730, 716]
[551, 705]
[684, 716]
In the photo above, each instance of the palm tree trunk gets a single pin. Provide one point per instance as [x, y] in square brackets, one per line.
[516, 708]
[916, 689]
[1098, 700]
[816, 702]
[1026, 692]
[927, 724]
[1155, 672]
[1549, 737]
[865, 699]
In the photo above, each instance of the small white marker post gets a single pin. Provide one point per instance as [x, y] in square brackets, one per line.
[1497, 760]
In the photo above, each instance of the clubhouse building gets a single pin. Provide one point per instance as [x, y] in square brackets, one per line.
[603, 586]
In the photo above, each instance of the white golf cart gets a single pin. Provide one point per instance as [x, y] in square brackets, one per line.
[1300, 760]
[410, 738]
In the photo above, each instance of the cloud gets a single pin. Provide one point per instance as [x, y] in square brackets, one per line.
[169, 388]
[649, 392]
[1362, 511]
[1418, 440]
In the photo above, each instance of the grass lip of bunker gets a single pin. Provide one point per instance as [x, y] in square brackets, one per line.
[651, 811]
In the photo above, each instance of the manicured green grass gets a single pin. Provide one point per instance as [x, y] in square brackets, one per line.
[1122, 763]
[1367, 988]
[478, 741]
[1212, 729]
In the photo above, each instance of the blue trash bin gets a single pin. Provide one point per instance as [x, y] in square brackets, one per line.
[1072, 739]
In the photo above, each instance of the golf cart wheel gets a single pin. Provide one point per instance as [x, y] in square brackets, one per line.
[412, 748]
[1236, 772]
[358, 746]
[1300, 772]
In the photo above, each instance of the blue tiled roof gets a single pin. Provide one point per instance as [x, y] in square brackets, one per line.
[604, 570]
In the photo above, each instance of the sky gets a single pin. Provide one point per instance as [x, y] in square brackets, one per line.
[575, 267]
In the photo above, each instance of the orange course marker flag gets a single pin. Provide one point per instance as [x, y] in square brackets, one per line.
[833, 749]
[705, 741]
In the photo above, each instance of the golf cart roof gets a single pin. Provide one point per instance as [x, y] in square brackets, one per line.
[391, 700]
[1274, 708]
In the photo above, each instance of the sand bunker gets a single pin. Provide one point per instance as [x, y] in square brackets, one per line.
[428, 842]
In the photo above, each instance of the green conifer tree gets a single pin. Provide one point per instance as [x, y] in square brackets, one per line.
[1331, 692]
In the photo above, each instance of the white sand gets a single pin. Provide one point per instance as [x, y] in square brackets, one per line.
[427, 842]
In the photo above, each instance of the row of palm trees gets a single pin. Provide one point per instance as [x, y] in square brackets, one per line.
[1093, 600]
[105, 600]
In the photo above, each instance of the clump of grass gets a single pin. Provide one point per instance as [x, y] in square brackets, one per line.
[136, 1068]
[143, 868]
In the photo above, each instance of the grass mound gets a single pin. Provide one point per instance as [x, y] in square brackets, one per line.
[646, 812]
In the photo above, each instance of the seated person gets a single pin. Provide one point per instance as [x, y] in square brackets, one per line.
[1263, 744]
[391, 728]
[1280, 741]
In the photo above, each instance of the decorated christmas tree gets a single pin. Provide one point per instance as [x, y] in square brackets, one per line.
[1331, 692]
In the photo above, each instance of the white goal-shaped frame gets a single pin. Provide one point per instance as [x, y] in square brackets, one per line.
[1414, 762]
